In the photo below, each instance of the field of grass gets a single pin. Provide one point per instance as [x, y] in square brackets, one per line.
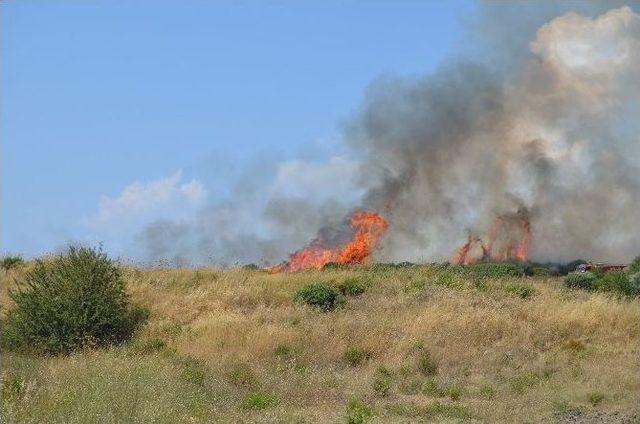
[421, 344]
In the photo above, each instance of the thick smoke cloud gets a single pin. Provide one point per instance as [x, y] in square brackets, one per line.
[452, 151]
[541, 117]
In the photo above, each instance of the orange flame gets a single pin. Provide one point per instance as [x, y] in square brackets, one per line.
[369, 227]
[509, 238]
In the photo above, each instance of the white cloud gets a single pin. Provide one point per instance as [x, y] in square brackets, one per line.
[164, 197]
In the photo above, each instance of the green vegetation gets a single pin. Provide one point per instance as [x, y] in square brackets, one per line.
[426, 364]
[521, 290]
[258, 401]
[352, 287]
[595, 398]
[231, 345]
[355, 356]
[321, 296]
[73, 301]
[358, 412]
[618, 282]
[11, 261]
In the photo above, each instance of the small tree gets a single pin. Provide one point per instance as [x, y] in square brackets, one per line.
[72, 301]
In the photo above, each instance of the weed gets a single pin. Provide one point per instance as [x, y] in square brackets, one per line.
[595, 398]
[487, 391]
[355, 356]
[11, 261]
[149, 346]
[241, 375]
[358, 412]
[523, 291]
[352, 287]
[258, 401]
[426, 364]
[382, 385]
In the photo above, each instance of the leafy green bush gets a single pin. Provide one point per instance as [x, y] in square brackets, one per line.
[498, 269]
[11, 261]
[355, 356]
[73, 301]
[634, 266]
[618, 282]
[358, 412]
[320, 295]
[352, 287]
[522, 290]
[582, 280]
[258, 401]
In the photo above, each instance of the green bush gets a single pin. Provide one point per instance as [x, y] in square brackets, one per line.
[498, 269]
[352, 287]
[582, 280]
[355, 356]
[618, 282]
[11, 261]
[522, 290]
[634, 266]
[358, 412]
[73, 301]
[382, 385]
[258, 401]
[634, 282]
[320, 295]
[426, 364]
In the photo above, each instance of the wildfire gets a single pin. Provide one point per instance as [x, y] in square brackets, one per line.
[509, 238]
[368, 227]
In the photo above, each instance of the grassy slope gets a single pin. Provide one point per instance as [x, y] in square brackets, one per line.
[217, 335]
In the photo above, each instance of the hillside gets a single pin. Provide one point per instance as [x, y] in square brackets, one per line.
[422, 343]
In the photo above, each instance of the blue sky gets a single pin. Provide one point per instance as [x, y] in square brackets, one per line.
[104, 101]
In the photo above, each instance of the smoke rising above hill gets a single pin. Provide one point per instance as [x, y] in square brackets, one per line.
[549, 132]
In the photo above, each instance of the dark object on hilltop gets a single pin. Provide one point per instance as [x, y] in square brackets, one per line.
[73, 301]
[11, 261]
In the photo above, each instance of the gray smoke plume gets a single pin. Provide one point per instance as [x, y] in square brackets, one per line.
[541, 118]
[450, 152]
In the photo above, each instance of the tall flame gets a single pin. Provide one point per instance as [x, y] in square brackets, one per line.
[509, 238]
[368, 226]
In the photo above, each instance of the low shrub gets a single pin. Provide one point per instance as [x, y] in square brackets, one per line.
[426, 364]
[258, 401]
[634, 266]
[595, 398]
[321, 296]
[487, 391]
[382, 385]
[521, 290]
[583, 280]
[617, 282]
[11, 261]
[355, 356]
[498, 269]
[358, 412]
[352, 287]
[73, 301]
[242, 376]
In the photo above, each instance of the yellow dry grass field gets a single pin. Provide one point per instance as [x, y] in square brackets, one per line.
[421, 344]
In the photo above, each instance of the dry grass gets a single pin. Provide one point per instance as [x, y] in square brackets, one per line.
[218, 337]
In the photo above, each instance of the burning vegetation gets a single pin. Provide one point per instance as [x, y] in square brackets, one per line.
[367, 229]
[509, 238]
